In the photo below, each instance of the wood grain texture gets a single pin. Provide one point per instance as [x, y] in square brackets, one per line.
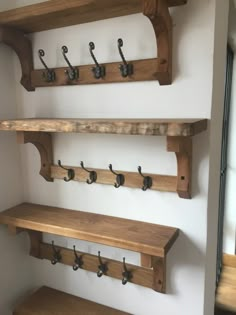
[229, 260]
[140, 276]
[226, 291]
[59, 13]
[182, 146]
[105, 177]
[151, 127]
[147, 238]
[43, 142]
[23, 48]
[48, 301]
[144, 70]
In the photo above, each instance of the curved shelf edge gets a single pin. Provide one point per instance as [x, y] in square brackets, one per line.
[158, 13]
[23, 48]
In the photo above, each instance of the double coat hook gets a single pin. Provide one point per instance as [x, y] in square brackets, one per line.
[126, 69]
[147, 180]
[92, 174]
[49, 75]
[102, 267]
[70, 172]
[72, 73]
[120, 178]
[56, 255]
[78, 261]
[126, 274]
[98, 71]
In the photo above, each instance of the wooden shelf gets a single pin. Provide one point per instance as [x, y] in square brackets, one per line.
[151, 127]
[179, 140]
[146, 238]
[58, 13]
[48, 301]
[152, 241]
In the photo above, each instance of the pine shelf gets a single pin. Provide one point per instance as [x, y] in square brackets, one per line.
[152, 241]
[146, 238]
[178, 133]
[150, 127]
[48, 301]
[59, 13]
[14, 24]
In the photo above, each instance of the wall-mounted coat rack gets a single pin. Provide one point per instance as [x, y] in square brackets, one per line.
[152, 241]
[43, 16]
[179, 140]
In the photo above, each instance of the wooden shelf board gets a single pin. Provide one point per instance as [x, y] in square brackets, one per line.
[154, 127]
[147, 238]
[59, 13]
[48, 301]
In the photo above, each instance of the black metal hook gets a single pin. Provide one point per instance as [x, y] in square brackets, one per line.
[120, 178]
[147, 180]
[126, 274]
[127, 68]
[56, 255]
[78, 261]
[50, 74]
[102, 268]
[72, 73]
[92, 174]
[70, 172]
[98, 71]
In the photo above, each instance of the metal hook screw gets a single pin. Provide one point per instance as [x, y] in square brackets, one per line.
[56, 255]
[120, 178]
[127, 275]
[78, 261]
[72, 73]
[102, 268]
[126, 69]
[99, 71]
[147, 180]
[50, 75]
[70, 172]
[92, 174]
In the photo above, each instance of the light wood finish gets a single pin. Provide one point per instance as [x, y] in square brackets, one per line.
[48, 301]
[22, 47]
[43, 142]
[59, 13]
[151, 127]
[105, 177]
[147, 238]
[226, 292]
[146, 261]
[140, 276]
[182, 146]
[144, 70]
[229, 260]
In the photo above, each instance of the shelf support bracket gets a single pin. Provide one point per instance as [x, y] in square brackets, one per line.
[43, 142]
[159, 274]
[158, 13]
[23, 48]
[182, 146]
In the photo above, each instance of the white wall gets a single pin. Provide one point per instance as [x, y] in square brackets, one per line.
[190, 95]
[15, 268]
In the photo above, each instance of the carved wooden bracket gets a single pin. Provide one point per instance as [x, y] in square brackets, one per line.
[22, 46]
[182, 146]
[43, 142]
[158, 13]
